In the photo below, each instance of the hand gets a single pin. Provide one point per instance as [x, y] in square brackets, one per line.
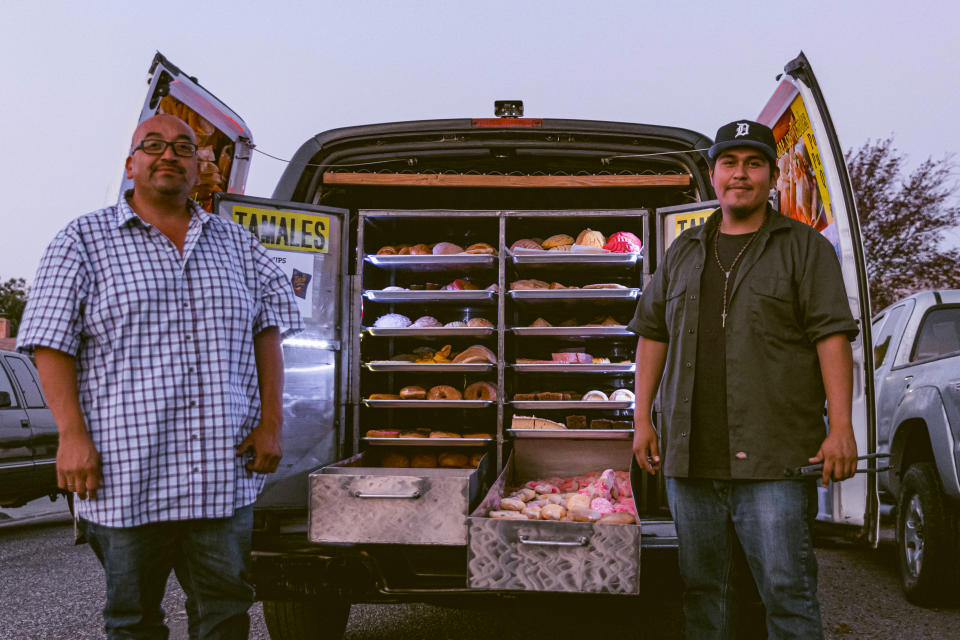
[838, 453]
[78, 465]
[266, 446]
[645, 448]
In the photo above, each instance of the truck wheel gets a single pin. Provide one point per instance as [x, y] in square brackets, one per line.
[925, 537]
[324, 618]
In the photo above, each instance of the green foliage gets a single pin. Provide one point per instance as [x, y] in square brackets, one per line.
[903, 218]
[13, 298]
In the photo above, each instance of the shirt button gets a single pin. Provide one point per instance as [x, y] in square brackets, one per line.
[196, 469]
[690, 331]
[683, 434]
[698, 266]
[195, 436]
[693, 297]
[190, 369]
[689, 365]
[186, 305]
[193, 403]
[187, 338]
[686, 399]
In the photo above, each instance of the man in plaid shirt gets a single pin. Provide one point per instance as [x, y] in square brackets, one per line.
[156, 331]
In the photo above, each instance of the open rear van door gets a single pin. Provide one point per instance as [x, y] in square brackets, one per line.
[814, 187]
[224, 139]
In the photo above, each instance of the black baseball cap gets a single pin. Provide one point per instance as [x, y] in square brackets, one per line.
[744, 133]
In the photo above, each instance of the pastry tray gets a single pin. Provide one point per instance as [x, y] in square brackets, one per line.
[425, 367]
[424, 263]
[428, 442]
[570, 404]
[572, 257]
[429, 296]
[428, 404]
[619, 367]
[586, 332]
[398, 332]
[572, 434]
[573, 294]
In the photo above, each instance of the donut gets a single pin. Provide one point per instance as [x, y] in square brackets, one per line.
[442, 392]
[395, 460]
[480, 391]
[382, 433]
[423, 461]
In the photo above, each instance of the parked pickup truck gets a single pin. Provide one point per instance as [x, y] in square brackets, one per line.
[28, 434]
[917, 360]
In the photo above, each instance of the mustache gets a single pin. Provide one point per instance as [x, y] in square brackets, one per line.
[168, 165]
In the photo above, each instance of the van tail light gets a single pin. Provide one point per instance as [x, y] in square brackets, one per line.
[507, 122]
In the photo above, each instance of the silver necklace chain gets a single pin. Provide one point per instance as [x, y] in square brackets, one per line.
[726, 272]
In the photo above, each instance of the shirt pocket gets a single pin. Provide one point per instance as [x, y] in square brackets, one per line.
[674, 306]
[773, 307]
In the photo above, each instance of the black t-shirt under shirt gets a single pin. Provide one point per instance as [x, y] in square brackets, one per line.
[709, 433]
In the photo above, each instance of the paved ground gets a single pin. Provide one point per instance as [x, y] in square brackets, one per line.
[53, 590]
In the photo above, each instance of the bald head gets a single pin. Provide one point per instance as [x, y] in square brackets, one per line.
[165, 126]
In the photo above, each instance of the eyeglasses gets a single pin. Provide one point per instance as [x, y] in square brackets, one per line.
[157, 147]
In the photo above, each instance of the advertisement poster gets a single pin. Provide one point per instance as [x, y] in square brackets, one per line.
[299, 270]
[287, 230]
[676, 223]
[802, 186]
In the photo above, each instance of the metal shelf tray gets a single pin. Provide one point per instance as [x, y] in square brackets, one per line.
[569, 404]
[430, 331]
[587, 332]
[424, 367]
[428, 404]
[480, 295]
[573, 434]
[428, 442]
[576, 368]
[572, 257]
[574, 294]
[433, 262]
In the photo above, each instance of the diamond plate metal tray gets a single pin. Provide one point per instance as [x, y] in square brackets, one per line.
[569, 404]
[628, 367]
[603, 331]
[428, 442]
[480, 295]
[574, 294]
[428, 404]
[572, 434]
[430, 331]
[424, 367]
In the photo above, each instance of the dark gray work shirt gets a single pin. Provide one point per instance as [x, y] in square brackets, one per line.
[787, 294]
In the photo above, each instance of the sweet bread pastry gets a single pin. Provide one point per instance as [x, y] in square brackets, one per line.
[529, 284]
[540, 322]
[426, 322]
[526, 243]
[452, 460]
[622, 395]
[420, 250]
[480, 391]
[475, 459]
[456, 324]
[563, 247]
[444, 434]
[480, 322]
[446, 249]
[386, 251]
[594, 396]
[604, 285]
[478, 436]
[558, 240]
[591, 238]
[423, 461]
[392, 321]
[397, 460]
[415, 433]
[382, 433]
[481, 248]
[476, 353]
[383, 396]
[444, 392]
[413, 392]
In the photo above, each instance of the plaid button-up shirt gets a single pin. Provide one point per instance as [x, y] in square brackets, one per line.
[165, 361]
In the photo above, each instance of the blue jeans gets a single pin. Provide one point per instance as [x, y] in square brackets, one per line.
[210, 558]
[771, 520]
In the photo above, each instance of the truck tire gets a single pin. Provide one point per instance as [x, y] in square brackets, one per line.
[926, 537]
[324, 618]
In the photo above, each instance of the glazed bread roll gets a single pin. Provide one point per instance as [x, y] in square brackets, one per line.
[507, 515]
[558, 240]
[453, 461]
[478, 436]
[413, 392]
[617, 518]
[384, 396]
[476, 353]
[414, 434]
[387, 251]
[475, 459]
[443, 392]
[481, 248]
[446, 249]
[480, 322]
[423, 461]
[480, 391]
[420, 250]
[397, 460]
[444, 434]
[526, 243]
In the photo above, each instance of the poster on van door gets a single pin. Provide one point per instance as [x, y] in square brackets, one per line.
[298, 268]
[802, 185]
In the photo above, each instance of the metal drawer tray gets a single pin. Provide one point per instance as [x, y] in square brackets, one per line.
[476, 295]
[428, 404]
[431, 331]
[418, 263]
[584, 332]
[426, 367]
[537, 555]
[572, 434]
[532, 256]
[614, 367]
[573, 294]
[353, 503]
[428, 442]
[533, 405]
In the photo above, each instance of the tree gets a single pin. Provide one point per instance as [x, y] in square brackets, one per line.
[13, 298]
[903, 219]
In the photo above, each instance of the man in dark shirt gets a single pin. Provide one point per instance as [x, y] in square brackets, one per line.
[747, 321]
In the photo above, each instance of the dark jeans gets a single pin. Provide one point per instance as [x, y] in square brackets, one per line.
[771, 520]
[210, 558]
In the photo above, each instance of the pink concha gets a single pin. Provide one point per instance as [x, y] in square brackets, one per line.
[623, 242]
